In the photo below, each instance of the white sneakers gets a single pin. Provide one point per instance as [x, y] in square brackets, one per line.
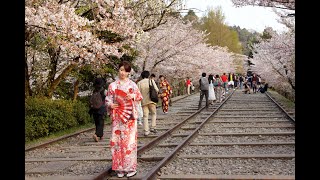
[120, 175]
[130, 174]
[146, 133]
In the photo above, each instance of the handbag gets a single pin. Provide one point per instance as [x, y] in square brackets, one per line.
[153, 93]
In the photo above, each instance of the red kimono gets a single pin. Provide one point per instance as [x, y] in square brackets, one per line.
[123, 140]
[165, 93]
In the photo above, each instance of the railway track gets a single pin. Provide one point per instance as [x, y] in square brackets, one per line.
[247, 136]
[77, 156]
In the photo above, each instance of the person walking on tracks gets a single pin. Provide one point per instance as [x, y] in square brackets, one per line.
[188, 85]
[255, 81]
[204, 90]
[224, 79]
[165, 91]
[97, 107]
[122, 97]
[219, 89]
[147, 104]
[212, 96]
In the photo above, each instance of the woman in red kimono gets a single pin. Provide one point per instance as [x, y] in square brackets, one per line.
[165, 91]
[122, 99]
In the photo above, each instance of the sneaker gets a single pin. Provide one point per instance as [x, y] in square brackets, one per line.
[132, 173]
[95, 138]
[120, 175]
[153, 130]
[146, 133]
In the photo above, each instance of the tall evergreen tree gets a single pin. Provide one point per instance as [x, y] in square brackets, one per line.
[218, 32]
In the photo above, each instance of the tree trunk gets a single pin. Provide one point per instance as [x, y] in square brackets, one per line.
[56, 82]
[54, 55]
[28, 91]
[76, 90]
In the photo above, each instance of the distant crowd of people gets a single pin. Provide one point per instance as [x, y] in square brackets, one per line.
[215, 87]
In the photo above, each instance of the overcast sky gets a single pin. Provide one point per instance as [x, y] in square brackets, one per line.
[249, 17]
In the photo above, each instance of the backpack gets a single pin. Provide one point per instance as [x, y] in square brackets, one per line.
[204, 84]
[96, 99]
[153, 93]
[217, 83]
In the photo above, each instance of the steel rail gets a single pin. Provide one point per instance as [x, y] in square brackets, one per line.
[108, 170]
[58, 139]
[283, 110]
[44, 144]
[152, 173]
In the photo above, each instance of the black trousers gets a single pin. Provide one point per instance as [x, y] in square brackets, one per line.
[206, 94]
[99, 122]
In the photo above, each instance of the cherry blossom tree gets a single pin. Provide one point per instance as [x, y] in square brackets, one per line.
[281, 4]
[274, 60]
[287, 6]
[58, 40]
[177, 51]
[150, 14]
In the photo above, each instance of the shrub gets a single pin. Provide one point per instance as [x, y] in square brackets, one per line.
[45, 116]
[81, 113]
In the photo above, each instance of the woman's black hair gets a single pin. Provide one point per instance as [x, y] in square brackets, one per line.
[210, 77]
[99, 83]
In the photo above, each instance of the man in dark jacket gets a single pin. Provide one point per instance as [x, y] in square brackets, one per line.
[204, 89]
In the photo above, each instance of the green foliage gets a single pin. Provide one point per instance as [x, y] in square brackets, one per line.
[45, 116]
[266, 34]
[86, 11]
[247, 39]
[64, 90]
[35, 3]
[109, 36]
[178, 87]
[35, 126]
[219, 32]
[81, 109]
[192, 17]
[37, 41]
[82, 9]
[85, 75]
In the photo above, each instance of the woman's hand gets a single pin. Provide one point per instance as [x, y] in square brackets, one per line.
[130, 96]
[114, 106]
